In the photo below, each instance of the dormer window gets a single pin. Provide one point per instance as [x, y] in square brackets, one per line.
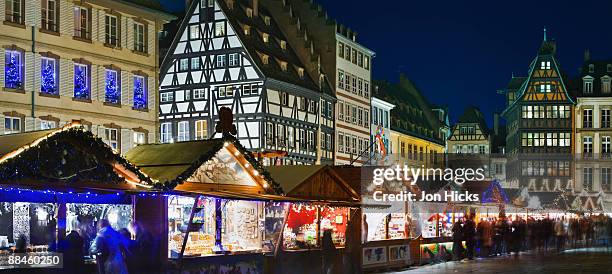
[545, 65]
[545, 88]
[283, 65]
[267, 20]
[265, 37]
[591, 68]
[300, 72]
[247, 30]
[587, 84]
[605, 84]
[264, 59]
[283, 44]
[249, 12]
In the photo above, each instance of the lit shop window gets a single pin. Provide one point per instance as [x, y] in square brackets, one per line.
[84, 218]
[301, 227]
[335, 219]
[140, 92]
[81, 81]
[13, 71]
[32, 224]
[241, 225]
[201, 238]
[48, 76]
[112, 93]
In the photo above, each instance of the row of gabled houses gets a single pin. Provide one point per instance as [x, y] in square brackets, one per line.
[555, 145]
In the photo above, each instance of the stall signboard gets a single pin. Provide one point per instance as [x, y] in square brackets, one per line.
[374, 255]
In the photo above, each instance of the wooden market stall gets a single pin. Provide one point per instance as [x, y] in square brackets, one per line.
[330, 203]
[220, 209]
[54, 182]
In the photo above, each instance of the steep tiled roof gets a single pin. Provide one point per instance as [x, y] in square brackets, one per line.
[412, 113]
[257, 47]
[600, 69]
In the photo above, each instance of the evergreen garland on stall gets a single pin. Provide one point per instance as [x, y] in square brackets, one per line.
[12, 72]
[72, 155]
[169, 185]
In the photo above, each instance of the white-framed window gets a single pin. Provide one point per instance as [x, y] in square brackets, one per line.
[312, 106]
[340, 110]
[111, 137]
[47, 124]
[13, 70]
[290, 137]
[219, 28]
[14, 10]
[545, 88]
[140, 44]
[166, 132]
[366, 63]
[194, 32]
[605, 118]
[366, 89]
[545, 65]
[12, 125]
[199, 94]
[340, 79]
[340, 49]
[587, 145]
[81, 81]
[354, 114]
[587, 118]
[284, 98]
[81, 23]
[587, 175]
[49, 15]
[195, 63]
[183, 131]
[234, 59]
[201, 129]
[166, 97]
[605, 84]
[360, 116]
[140, 100]
[111, 30]
[360, 87]
[606, 178]
[139, 138]
[221, 60]
[184, 64]
[588, 85]
[605, 146]
[112, 88]
[48, 76]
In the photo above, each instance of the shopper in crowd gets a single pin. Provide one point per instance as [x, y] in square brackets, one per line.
[145, 247]
[469, 233]
[72, 250]
[458, 237]
[328, 252]
[109, 250]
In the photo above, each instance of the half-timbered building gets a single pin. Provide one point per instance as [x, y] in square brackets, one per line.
[232, 54]
[539, 126]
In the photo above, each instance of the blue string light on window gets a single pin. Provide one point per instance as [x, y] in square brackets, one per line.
[140, 98]
[13, 71]
[81, 89]
[112, 90]
[48, 85]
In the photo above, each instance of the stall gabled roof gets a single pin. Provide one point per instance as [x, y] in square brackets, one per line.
[190, 166]
[314, 182]
[66, 158]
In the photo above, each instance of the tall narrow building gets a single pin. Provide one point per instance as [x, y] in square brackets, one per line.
[539, 124]
[233, 54]
[346, 63]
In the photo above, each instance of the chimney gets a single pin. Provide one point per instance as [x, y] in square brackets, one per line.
[255, 7]
[587, 55]
[496, 123]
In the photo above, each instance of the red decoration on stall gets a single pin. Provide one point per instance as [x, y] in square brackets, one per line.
[301, 215]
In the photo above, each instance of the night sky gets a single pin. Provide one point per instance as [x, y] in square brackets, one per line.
[460, 53]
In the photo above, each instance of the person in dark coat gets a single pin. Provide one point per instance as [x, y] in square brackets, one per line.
[328, 252]
[109, 249]
[145, 247]
[469, 233]
[457, 231]
[72, 249]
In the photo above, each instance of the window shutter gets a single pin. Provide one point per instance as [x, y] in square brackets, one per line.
[2, 116]
[100, 88]
[29, 124]
[37, 124]
[100, 133]
[151, 91]
[66, 81]
[125, 88]
[32, 13]
[28, 66]
[129, 27]
[150, 38]
[126, 140]
[66, 18]
[124, 32]
[101, 25]
[150, 139]
[94, 24]
[37, 73]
